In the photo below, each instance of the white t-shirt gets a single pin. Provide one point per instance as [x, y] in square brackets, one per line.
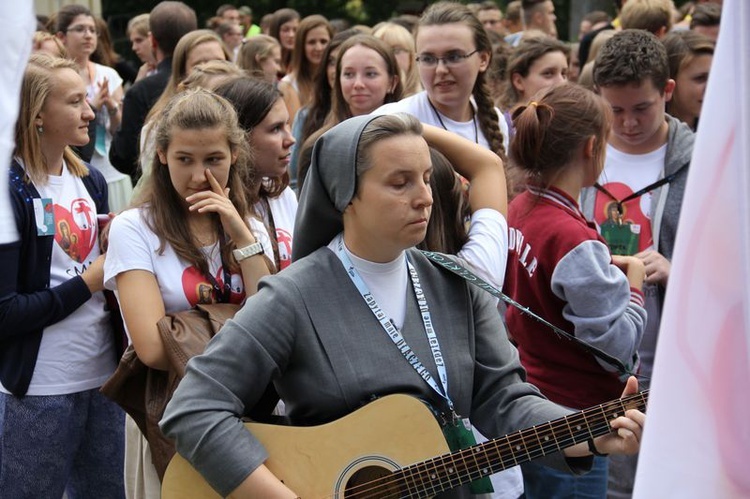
[625, 174]
[283, 212]
[291, 81]
[133, 246]
[77, 353]
[119, 184]
[418, 105]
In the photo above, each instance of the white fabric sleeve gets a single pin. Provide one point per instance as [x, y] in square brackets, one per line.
[261, 235]
[604, 311]
[487, 248]
[129, 247]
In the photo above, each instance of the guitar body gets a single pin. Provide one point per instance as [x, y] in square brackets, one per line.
[323, 461]
[394, 448]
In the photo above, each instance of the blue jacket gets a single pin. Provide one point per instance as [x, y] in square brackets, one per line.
[27, 303]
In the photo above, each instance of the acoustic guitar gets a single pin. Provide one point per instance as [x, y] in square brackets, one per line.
[394, 448]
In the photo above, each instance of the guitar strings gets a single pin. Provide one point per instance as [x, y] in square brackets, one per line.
[376, 488]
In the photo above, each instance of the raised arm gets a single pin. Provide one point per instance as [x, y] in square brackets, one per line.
[480, 166]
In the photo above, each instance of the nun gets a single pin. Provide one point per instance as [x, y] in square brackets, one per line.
[359, 315]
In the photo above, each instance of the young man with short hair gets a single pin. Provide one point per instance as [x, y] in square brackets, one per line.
[652, 15]
[638, 197]
[513, 22]
[491, 17]
[706, 19]
[538, 15]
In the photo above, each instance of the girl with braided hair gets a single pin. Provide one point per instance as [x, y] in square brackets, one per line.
[453, 54]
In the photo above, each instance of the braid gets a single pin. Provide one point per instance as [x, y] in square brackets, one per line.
[487, 117]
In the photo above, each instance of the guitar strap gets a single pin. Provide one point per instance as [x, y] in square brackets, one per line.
[474, 279]
[457, 433]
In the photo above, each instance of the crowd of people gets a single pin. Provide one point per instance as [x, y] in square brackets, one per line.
[301, 170]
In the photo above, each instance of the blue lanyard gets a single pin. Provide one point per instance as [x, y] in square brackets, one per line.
[392, 331]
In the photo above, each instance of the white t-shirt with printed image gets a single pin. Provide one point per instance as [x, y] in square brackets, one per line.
[134, 246]
[625, 174]
[283, 212]
[77, 353]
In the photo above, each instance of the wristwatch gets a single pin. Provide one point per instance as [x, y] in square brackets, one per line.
[242, 253]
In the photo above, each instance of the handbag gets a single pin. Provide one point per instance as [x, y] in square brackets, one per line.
[144, 392]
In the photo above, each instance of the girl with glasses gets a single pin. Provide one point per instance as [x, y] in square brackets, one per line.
[453, 54]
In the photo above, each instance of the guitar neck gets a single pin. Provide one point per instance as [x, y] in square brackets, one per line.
[461, 467]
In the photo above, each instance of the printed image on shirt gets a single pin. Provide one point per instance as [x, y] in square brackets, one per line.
[284, 239]
[628, 232]
[199, 290]
[75, 229]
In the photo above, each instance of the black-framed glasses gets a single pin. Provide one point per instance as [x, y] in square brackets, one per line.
[450, 60]
[81, 29]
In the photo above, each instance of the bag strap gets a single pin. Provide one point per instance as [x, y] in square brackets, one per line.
[474, 279]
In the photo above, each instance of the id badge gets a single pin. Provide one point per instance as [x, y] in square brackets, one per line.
[44, 216]
[623, 239]
[459, 436]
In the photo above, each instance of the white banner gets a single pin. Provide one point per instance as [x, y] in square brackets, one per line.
[17, 24]
[697, 436]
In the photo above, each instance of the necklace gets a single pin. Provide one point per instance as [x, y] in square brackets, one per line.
[473, 120]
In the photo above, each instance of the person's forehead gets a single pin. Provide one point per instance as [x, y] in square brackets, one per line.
[632, 93]
[490, 13]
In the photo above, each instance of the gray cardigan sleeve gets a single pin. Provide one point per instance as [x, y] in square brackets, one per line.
[203, 417]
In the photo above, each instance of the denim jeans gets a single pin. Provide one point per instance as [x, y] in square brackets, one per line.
[543, 482]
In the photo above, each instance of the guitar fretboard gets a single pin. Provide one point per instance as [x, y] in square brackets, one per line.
[464, 466]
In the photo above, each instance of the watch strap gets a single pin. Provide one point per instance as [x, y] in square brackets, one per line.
[243, 253]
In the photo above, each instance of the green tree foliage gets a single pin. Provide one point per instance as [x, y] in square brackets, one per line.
[357, 11]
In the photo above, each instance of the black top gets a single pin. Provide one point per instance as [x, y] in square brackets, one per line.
[123, 152]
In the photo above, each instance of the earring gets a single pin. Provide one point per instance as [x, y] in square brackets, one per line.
[39, 129]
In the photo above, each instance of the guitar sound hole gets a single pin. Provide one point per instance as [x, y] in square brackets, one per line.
[371, 482]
